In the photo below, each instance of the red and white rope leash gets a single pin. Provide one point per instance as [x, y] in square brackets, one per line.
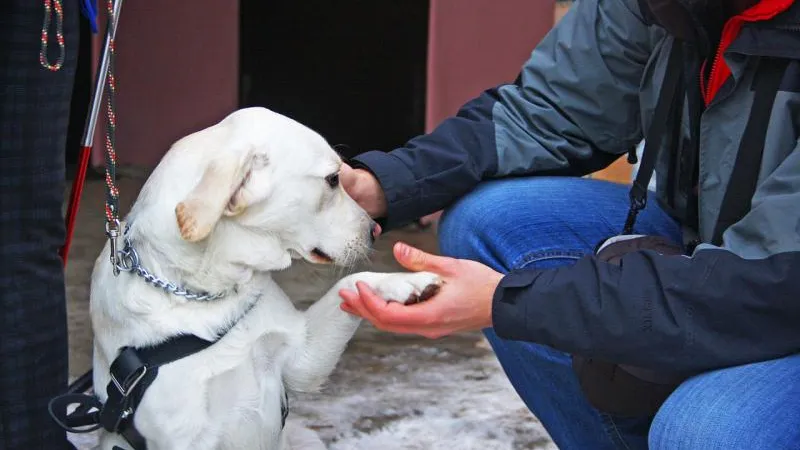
[49, 6]
[112, 192]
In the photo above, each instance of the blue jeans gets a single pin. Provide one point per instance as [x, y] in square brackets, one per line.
[548, 222]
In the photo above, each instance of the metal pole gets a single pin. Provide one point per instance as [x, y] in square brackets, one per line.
[97, 98]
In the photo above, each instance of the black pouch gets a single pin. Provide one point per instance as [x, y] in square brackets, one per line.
[617, 388]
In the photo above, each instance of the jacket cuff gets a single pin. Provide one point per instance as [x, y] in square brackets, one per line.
[509, 309]
[398, 185]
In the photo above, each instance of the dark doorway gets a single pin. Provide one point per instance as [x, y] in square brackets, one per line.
[353, 70]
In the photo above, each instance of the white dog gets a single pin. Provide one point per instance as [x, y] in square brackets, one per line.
[225, 207]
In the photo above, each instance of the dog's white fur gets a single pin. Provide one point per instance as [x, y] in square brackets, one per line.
[226, 206]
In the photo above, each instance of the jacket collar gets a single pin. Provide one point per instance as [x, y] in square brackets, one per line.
[778, 36]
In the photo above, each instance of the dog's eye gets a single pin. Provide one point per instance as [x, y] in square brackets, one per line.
[332, 180]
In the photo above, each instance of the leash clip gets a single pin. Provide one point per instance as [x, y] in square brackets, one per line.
[112, 231]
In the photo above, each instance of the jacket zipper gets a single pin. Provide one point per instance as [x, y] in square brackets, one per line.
[763, 10]
[712, 74]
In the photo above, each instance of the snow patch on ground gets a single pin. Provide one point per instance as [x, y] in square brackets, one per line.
[465, 404]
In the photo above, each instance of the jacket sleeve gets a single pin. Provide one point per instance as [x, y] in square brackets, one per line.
[722, 306]
[573, 110]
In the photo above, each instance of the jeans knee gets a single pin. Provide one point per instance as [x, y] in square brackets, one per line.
[468, 226]
[503, 223]
[678, 428]
[719, 413]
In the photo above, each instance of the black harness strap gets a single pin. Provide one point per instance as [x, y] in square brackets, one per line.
[132, 372]
[656, 133]
[744, 179]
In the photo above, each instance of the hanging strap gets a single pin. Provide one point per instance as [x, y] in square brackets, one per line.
[656, 133]
[742, 185]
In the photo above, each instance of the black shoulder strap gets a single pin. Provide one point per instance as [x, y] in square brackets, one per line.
[656, 133]
[742, 185]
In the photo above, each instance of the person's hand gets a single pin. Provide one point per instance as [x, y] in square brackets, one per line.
[464, 302]
[364, 188]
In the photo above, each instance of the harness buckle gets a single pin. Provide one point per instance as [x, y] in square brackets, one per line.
[126, 388]
[127, 371]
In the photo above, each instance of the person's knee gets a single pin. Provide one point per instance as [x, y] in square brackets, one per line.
[473, 227]
[524, 220]
[682, 429]
[674, 425]
[712, 413]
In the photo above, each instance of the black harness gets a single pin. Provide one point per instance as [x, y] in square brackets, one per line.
[132, 372]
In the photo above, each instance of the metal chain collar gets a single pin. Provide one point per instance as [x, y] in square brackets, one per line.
[128, 261]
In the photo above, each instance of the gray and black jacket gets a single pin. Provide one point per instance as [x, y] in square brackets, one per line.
[584, 98]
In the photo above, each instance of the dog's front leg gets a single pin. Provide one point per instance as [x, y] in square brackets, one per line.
[328, 329]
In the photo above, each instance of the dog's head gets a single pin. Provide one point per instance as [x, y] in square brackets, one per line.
[274, 183]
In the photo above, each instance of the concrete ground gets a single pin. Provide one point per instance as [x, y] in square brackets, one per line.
[388, 391]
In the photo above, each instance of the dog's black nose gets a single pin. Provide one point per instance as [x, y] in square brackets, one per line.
[375, 231]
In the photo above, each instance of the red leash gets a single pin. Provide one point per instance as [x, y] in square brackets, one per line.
[105, 78]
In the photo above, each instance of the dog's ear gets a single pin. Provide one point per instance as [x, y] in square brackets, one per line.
[220, 191]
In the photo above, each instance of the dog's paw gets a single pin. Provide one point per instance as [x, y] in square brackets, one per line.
[409, 288]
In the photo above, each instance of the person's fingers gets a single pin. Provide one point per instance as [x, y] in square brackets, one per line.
[353, 304]
[347, 295]
[346, 308]
[362, 186]
[347, 177]
[365, 295]
[417, 260]
[356, 303]
[418, 319]
[418, 316]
